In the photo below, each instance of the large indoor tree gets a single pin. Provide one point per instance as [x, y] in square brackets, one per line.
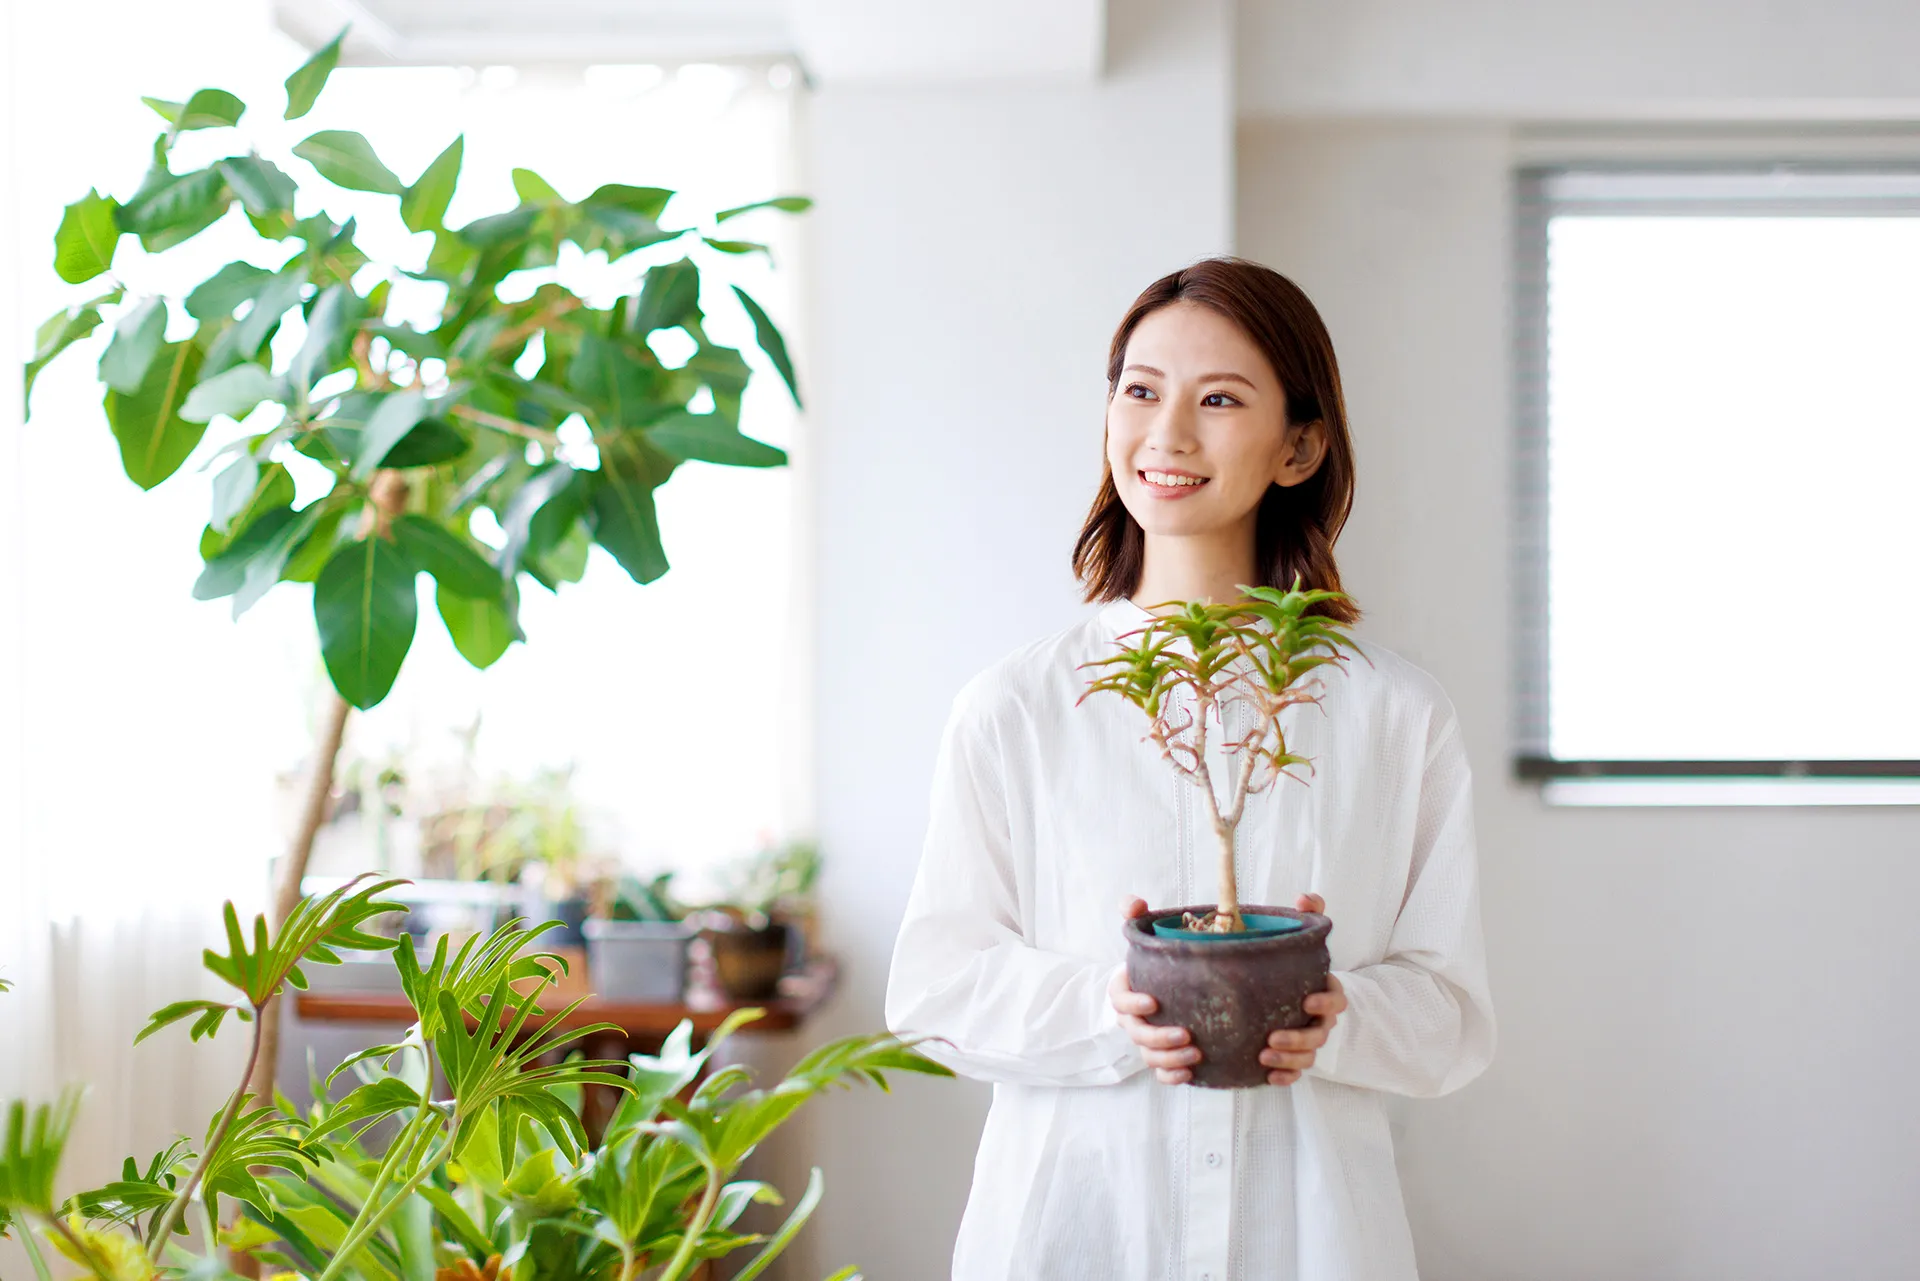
[413, 427]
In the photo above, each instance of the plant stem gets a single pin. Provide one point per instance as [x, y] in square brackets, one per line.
[286, 894]
[165, 1224]
[690, 1241]
[375, 1212]
[34, 1256]
[512, 427]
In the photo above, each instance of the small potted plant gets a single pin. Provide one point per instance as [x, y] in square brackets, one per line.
[637, 944]
[1231, 974]
[760, 930]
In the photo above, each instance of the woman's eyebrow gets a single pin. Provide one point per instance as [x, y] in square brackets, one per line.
[1224, 376]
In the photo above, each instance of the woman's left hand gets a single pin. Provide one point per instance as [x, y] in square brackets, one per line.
[1290, 1052]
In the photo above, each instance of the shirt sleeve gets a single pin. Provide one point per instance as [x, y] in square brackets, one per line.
[1420, 1023]
[999, 1009]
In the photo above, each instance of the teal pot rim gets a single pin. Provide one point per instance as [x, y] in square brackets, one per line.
[1259, 925]
[1146, 931]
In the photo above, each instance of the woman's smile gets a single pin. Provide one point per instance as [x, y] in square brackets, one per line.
[1170, 484]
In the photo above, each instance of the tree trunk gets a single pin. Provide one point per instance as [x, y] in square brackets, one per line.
[1228, 908]
[293, 870]
[389, 499]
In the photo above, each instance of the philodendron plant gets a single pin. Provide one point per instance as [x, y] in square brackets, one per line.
[1201, 660]
[554, 418]
[459, 1154]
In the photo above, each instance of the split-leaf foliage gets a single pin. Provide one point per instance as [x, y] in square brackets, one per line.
[457, 1152]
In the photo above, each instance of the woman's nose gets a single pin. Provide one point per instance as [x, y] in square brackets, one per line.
[1172, 429]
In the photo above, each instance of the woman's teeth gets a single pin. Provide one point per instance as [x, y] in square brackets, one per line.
[1168, 478]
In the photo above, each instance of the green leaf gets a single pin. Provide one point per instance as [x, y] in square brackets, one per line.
[711, 438]
[346, 159]
[272, 490]
[166, 110]
[311, 553]
[365, 608]
[154, 438]
[453, 561]
[809, 1200]
[614, 380]
[423, 206]
[324, 349]
[235, 393]
[269, 305]
[263, 187]
[768, 337]
[57, 333]
[220, 295]
[137, 337]
[786, 204]
[30, 1153]
[480, 627]
[267, 566]
[176, 207]
[620, 219]
[533, 189]
[83, 244]
[209, 109]
[206, 1015]
[390, 420]
[671, 295]
[433, 441]
[736, 246]
[623, 514]
[305, 84]
[224, 573]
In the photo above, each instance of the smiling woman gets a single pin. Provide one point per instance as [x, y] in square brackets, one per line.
[1225, 396]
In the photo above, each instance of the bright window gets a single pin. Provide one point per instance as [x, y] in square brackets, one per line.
[1721, 430]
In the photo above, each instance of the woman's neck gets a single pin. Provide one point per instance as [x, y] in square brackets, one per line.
[1205, 567]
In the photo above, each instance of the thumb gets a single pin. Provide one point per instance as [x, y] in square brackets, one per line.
[1132, 907]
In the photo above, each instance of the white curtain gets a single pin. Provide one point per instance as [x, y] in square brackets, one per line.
[149, 745]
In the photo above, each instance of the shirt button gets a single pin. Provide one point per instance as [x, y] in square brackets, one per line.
[1213, 1159]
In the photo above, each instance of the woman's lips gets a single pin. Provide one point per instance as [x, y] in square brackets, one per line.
[1161, 489]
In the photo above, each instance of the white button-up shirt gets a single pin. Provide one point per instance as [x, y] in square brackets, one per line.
[1044, 817]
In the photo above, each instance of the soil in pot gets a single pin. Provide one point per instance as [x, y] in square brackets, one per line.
[1230, 991]
[748, 963]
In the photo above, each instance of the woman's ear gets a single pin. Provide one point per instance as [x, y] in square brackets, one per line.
[1303, 459]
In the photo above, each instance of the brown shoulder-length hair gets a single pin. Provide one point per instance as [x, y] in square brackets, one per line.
[1296, 527]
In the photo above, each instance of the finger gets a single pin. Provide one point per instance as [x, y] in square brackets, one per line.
[1282, 1078]
[1149, 1037]
[1286, 1059]
[1297, 1039]
[1171, 1060]
[1310, 903]
[1131, 907]
[1325, 1004]
[1180, 1077]
[1138, 1004]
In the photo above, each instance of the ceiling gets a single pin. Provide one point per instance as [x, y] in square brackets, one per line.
[836, 40]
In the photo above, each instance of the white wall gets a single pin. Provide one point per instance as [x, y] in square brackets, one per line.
[1706, 1014]
[1636, 59]
[974, 248]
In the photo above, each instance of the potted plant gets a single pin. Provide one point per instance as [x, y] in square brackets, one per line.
[637, 950]
[1231, 974]
[409, 426]
[753, 932]
[460, 1153]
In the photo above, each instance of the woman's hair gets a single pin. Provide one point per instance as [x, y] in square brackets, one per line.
[1296, 526]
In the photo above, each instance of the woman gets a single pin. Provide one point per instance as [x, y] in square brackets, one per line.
[1227, 463]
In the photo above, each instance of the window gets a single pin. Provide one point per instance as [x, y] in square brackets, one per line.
[1720, 429]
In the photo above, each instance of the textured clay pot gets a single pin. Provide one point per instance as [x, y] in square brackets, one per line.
[1230, 993]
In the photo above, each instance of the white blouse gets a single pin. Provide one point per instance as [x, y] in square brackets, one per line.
[1045, 817]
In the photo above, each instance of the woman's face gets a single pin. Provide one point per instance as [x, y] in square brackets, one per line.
[1197, 426]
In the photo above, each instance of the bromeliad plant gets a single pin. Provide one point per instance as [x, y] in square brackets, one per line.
[1202, 660]
[460, 1153]
[520, 402]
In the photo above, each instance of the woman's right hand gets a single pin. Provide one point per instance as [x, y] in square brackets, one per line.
[1169, 1051]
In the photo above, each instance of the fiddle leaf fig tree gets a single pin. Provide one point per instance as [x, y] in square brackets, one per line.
[551, 415]
[1198, 660]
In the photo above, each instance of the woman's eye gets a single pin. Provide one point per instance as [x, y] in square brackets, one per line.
[1139, 392]
[1218, 400]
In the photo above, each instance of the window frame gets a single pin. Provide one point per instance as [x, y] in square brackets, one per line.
[1673, 187]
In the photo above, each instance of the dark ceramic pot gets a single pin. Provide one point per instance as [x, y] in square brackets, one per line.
[1230, 992]
[748, 963]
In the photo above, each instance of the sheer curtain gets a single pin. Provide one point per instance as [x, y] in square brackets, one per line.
[148, 743]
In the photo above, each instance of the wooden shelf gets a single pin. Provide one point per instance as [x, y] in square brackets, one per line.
[644, 1023]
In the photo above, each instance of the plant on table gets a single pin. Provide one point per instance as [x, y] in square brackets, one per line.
[413, 394]
[402, 1179]
[1200, 661]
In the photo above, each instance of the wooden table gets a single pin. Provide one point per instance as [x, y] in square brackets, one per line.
[643, 1027]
